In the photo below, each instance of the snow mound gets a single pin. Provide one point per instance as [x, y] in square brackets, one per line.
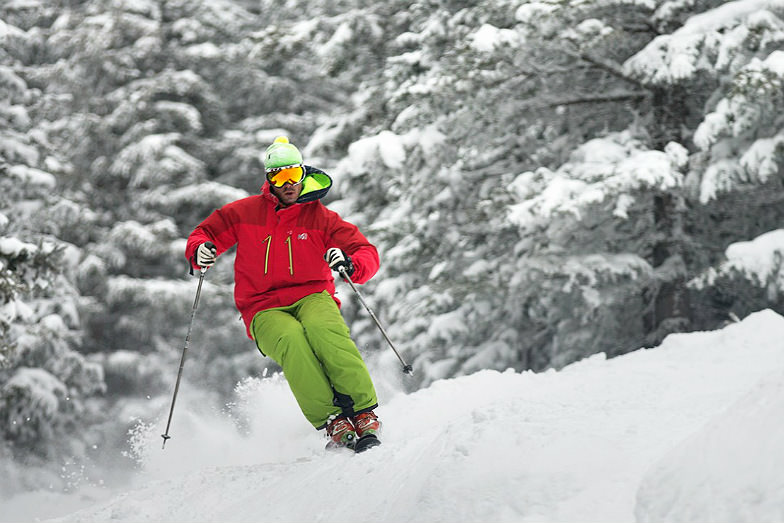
[691, 430]
[729, 471]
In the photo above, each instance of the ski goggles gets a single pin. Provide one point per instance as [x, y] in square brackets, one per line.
[293, 174]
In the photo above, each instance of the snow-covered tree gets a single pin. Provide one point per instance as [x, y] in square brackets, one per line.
[513, 91]
[725, 64]
[47, 388]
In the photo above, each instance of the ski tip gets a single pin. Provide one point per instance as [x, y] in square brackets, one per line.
[366, 442]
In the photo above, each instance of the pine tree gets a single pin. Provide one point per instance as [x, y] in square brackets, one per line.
[615, 231]
[47, 388]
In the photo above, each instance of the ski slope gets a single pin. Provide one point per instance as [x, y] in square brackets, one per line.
[692, 430]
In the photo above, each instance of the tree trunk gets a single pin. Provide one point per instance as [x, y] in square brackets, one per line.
[669, 310]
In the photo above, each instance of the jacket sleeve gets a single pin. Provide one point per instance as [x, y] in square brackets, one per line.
[217, 228]
[364, 255]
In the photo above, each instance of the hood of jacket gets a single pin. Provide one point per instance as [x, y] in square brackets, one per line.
[315, 185]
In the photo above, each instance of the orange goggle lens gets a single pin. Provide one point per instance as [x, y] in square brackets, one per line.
[292, 175]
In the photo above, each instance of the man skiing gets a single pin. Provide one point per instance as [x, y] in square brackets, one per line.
[288, 243]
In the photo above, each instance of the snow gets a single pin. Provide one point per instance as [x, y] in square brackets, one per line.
[123, 288]
[744, 472]
[148, 8]
[31, 176]
[671, 58]
[727, 15]
[688, 431]
[386, 146]
[14, 247]
[7, 30]
[741, 111]
[760, 159]
[775, 63]
[587, 30]
[616, 166]
[343, 34]
[8, 310]
[760, 257]
[488, 37]
[712, 126]
[448, 326]
[537, 14]
[385, 152]
[45, 390]
[185, 112]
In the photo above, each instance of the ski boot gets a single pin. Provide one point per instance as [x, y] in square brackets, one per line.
[341, 433]
[367, 427]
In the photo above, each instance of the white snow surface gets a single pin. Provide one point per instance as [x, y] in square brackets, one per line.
[689, 431]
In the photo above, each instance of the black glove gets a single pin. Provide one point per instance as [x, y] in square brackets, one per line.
[206, 254]
[337, 259]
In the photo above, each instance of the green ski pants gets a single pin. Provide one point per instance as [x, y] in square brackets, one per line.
[311, 342]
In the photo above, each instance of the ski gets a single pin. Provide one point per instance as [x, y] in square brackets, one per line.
[366, 442]
[356, 446]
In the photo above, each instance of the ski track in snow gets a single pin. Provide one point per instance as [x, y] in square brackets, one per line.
[581, 444]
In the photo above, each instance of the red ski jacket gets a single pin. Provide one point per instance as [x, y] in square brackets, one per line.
[280, 253]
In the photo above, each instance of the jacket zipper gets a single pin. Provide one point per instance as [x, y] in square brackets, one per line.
[291, 259]
[268, 241]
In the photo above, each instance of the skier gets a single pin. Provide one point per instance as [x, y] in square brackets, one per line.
[288, 243]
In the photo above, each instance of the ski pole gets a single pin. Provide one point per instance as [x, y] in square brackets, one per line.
[165, 435]
[408, 369]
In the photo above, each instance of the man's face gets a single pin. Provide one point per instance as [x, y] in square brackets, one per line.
[287, 194]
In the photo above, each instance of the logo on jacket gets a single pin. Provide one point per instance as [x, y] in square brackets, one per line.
[302, 236]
